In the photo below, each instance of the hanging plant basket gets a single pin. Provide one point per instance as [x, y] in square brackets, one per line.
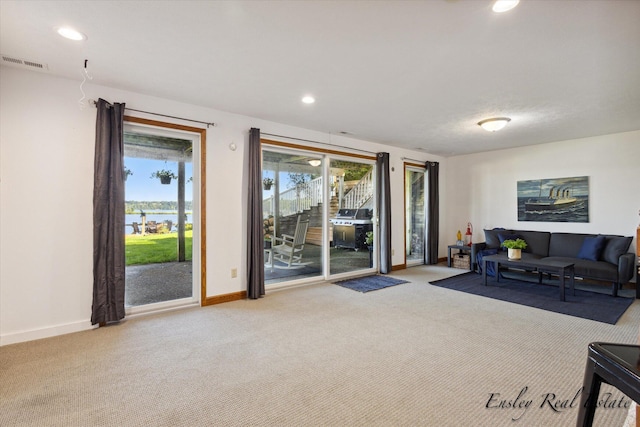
[267, 183]
[164, 175]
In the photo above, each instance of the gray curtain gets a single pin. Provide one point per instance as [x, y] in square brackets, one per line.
[433, 213]
[383, 189]
[255, 237]
[108, 215]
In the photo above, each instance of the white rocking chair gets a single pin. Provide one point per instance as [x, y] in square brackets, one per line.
[288, 249]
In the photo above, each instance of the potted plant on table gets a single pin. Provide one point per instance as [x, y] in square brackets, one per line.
[514, 247]
[164, 175]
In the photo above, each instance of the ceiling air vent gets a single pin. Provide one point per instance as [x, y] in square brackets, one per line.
[23, 63]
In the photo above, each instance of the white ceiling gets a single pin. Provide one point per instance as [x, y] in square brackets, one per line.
[413, 74]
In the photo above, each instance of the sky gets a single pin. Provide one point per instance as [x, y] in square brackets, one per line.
[141, 187]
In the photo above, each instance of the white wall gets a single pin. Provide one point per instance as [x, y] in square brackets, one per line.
[46, 190]
[482, 187]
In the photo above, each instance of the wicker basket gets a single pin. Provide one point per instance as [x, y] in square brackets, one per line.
[461, 261]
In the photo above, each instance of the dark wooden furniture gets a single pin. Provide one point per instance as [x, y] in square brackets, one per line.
[615, 364]
[560, 268]
[460, 248]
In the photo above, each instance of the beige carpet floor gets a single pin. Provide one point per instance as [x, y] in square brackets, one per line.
[319, 355]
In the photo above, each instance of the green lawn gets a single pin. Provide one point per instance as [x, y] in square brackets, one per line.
[154, 248]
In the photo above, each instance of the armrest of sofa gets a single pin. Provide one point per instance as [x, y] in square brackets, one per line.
[475, 248]
[626, 265]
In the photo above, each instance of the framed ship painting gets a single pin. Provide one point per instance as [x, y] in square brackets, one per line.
[554, 200]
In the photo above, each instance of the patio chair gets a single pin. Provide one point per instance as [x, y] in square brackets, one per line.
[136, 228]
[288, 249]
[152, 227]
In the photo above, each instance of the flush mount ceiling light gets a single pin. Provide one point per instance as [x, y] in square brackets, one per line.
[71, 34]
[315, 162]
[494, 124]
[504, 5]
[308, 99]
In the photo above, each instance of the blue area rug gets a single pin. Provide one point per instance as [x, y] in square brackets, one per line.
[546, 296]
[370, 283]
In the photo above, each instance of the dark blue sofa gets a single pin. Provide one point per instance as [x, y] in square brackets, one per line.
[613, 263]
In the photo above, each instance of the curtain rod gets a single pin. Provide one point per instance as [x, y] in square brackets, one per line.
[318, 142]
[419, 161]
[163, 115]
[414, 160]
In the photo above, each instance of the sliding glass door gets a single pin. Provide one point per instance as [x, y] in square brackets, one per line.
[318, 214]
[415, 215]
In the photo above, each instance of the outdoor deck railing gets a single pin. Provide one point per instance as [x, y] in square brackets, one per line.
[309, 194]
[359, 194]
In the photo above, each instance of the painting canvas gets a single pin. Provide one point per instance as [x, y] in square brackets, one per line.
[554, 200]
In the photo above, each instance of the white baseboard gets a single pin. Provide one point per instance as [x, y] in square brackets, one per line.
[48, 332]
[84, 325]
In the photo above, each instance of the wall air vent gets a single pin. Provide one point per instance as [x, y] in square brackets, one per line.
[23, 63]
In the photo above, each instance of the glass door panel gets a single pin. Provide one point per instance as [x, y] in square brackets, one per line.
[158, 219]
[351, 209]
[414, 216]
[292, 195]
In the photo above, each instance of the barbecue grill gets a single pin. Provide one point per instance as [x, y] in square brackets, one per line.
[350, 228]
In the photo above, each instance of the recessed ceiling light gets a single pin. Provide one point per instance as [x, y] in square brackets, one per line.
[494, 124]
[308, 99]
[504, 5]
[71, 34]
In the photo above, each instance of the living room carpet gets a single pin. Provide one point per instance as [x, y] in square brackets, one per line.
[370, 283]
[587, 305]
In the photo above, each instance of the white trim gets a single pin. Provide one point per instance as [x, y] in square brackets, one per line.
[51, 331]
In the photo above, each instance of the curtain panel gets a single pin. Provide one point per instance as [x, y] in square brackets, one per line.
[383, 189]
[433, 213]
[255, 237]
[108, 215]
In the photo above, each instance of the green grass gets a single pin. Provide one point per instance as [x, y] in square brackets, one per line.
[155, 248]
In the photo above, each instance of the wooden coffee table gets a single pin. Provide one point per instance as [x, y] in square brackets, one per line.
[560, 268]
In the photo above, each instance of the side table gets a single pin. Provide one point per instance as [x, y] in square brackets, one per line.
[460, 250]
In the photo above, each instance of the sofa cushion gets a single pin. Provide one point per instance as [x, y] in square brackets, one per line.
[537, 241]
[598, 270]
[614, 248]
[491, 238]
[566, 244]
[592, 248]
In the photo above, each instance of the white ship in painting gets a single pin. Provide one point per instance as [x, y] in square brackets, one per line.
[558, 198]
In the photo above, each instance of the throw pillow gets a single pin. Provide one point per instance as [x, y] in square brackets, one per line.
[491, 238]
[615, 247]
[507, 236]
[592, 248]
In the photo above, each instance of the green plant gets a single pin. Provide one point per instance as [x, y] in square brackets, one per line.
[127, 173]
[368, 240]
[163, 173]
[514, 244]
[267, 183]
